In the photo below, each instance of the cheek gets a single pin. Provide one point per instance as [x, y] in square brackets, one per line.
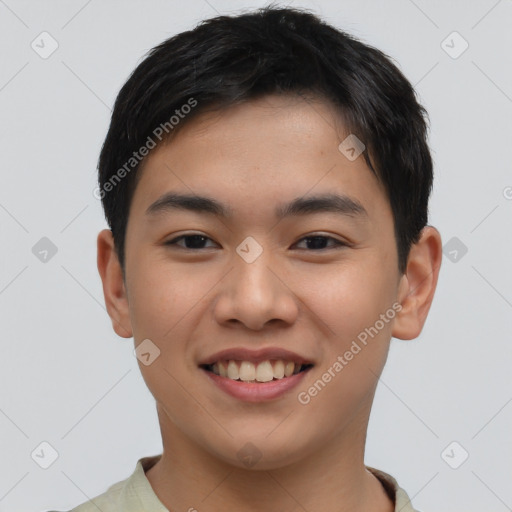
[161, 306]
[351, 303]
[350, 298]
[161, 295]
[167, 301]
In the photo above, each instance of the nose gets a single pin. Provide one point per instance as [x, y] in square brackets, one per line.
[256, 294]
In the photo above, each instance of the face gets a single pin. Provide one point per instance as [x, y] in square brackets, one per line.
[251, 285]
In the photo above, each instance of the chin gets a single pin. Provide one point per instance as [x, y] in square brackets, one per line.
[261, 451]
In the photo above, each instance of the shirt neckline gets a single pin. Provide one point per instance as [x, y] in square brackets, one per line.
[138, 487]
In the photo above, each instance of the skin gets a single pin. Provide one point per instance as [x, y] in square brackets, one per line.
[312, 301]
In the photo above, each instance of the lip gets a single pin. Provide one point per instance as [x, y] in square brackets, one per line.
[256, 392]
[255, 356]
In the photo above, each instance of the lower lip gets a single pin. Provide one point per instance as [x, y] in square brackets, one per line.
[256, 392]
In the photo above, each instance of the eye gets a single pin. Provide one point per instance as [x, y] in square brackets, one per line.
[318, 242]
[191, 241]
[315, 242]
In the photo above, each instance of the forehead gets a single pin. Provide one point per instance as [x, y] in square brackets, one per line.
[252, 156]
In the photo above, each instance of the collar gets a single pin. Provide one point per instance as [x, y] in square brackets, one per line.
[137, 493]
[394, 491]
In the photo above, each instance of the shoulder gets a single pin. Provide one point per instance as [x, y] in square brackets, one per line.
[131, 494]
[394, 491]
[106, 502]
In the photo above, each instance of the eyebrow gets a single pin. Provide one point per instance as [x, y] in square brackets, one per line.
[340, 204]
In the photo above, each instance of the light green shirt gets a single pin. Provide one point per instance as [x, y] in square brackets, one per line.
[135, 494]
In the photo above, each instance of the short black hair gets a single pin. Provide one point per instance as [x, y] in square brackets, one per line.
[227, 60]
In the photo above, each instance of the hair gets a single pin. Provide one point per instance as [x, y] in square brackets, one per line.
[227, 60]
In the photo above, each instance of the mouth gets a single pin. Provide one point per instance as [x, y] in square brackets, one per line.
[256, 372]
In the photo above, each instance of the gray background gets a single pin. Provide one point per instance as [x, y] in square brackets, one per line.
[67, 379]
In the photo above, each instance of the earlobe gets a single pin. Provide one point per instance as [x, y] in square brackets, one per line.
[418, 284]
[114, 289]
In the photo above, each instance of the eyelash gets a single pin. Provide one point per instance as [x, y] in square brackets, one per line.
[338, 243]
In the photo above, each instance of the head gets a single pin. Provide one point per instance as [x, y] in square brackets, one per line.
[247, 116]
[226, 61]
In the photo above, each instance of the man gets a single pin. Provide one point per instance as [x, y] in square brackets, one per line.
[266, 181]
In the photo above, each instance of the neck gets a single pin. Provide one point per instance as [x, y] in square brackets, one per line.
[334, 477]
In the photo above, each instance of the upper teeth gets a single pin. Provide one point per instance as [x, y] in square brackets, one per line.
[262, 372]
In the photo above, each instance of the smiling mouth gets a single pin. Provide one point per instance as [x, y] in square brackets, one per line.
[246, 371]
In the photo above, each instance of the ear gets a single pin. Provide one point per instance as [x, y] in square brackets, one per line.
[114, 289]
[418, 284]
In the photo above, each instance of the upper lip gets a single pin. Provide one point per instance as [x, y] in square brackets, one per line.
[255, 356]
